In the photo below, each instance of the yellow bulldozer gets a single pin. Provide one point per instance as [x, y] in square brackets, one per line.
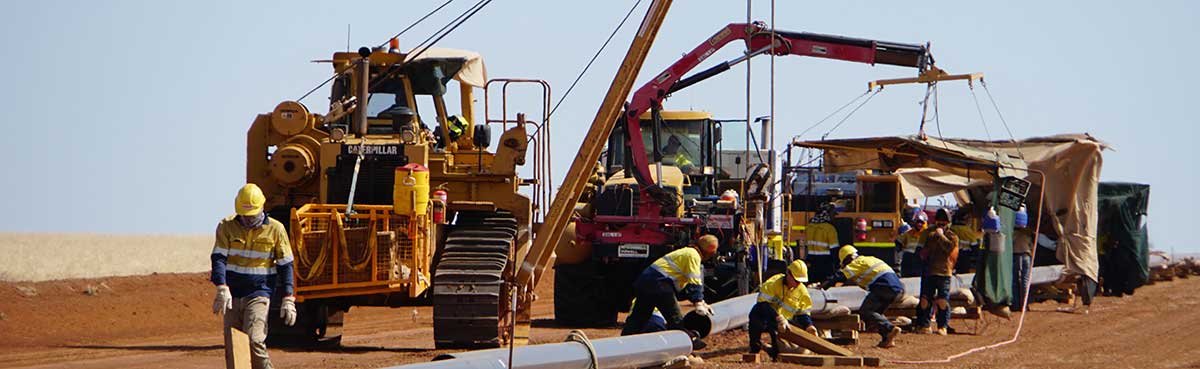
[385, 210]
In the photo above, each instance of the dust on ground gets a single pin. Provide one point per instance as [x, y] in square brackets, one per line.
[166, 320]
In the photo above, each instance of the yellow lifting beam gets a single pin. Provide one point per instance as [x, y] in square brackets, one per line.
[934, 74]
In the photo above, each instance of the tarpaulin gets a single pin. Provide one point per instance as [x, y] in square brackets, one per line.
[1124, 247]
[1071, 164]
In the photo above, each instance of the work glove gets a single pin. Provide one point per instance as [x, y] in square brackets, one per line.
[781, 323]
[224, 301]
[702, 308]
[288, 311]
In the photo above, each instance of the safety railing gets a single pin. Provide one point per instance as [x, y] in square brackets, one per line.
[374, 250]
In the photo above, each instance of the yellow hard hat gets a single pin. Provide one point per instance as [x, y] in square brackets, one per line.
[845, 251]
[250, 200]
[799, 271]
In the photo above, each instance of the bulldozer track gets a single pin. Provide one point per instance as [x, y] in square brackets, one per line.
[468, 282]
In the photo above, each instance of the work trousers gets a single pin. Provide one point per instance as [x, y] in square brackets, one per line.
[911, 264]
[933, 288]
[820, 267]
[1021, 269]
[966, 260]
[650, 295]
[875, 304]
[762, 319]
[249, 315]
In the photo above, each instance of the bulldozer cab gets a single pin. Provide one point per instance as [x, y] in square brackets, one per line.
[403, 90]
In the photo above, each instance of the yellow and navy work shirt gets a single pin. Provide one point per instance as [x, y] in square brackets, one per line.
[252, 260]
[819, 238]
[912, 240]
[967, 237]
[863, 271]
[683, 268]
[788, 302]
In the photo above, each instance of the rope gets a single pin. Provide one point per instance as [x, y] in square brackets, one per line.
[818, 123]
[335, 75]
[594, 56]
[982, 121]
[1024, 303]
[447, 29]
[937, 117]
[427, 15]
[1001, 115]
[433, 39]
[579, 336]
[851, 113]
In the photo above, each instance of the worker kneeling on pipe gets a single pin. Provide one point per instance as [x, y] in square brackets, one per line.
[783, 301]
[677, 273]
[882, 285]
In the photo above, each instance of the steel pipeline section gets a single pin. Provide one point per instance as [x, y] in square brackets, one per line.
[634, 351]
[733, 313]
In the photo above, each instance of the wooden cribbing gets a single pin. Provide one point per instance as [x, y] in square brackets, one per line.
[813, 343]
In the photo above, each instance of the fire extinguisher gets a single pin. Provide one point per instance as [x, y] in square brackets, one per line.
[439, 206]
[860, 229]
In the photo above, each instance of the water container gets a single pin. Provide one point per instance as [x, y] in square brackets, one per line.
[411, 194]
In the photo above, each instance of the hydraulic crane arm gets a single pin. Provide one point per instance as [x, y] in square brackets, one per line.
[759, 40]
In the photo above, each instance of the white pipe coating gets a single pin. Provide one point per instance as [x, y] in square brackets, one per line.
[634, 351]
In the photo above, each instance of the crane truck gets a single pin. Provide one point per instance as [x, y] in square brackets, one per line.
[639, 213]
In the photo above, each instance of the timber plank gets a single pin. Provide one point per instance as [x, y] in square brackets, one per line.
[813, 343]
[808, 360]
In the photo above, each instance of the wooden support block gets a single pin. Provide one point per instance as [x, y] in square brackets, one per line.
[847, 361]
[809, 360]
[844, 338]
[848, 322]
[813, 343]
[240, 344]
[873, 361]
[751, 358]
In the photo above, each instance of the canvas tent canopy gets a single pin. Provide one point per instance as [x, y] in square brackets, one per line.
[469, 64]
[932, 166]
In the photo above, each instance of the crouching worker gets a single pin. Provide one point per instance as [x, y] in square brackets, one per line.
[783, 301]
[882, 285]
[656, 323]
[251, 261]
[677, 273]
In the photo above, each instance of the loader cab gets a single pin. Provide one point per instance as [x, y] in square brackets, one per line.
[688, 143]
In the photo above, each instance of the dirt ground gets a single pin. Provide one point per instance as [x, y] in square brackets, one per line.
[166, 320]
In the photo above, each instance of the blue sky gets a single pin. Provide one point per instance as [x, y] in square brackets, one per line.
[130, 117]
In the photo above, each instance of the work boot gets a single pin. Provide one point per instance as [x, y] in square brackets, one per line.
[889, 340]
[941, 331]
[923, 330]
